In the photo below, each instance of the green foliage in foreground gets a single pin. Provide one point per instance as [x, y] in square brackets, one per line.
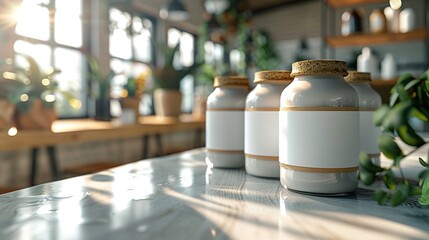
[409, 99]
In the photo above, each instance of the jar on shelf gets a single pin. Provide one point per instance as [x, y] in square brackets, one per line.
[407, 20]
[369, 101]
[388, 67]
[350, 22]
[367, 61]
[377, 21]
[261, 121]
[319, 130]
[225, 122]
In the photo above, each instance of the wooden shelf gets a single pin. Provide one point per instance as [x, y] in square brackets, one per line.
[348, 3]
[374, 39]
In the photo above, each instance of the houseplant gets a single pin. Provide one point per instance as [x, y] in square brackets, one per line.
[36, 95]
[132, 92]
[100, 89]
[409, 99]
[167, 95]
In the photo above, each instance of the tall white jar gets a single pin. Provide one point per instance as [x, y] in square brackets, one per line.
[369, 101]
[261, 121]
[225, 122]
[319, 130]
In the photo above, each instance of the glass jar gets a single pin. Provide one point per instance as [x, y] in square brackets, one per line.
[369, 101]
[319, 130]
[261, 121]
[225, 122]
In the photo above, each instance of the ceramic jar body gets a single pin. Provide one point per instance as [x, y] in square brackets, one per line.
[225, 126]
[369, 101]
[262, 130]
[319, 135]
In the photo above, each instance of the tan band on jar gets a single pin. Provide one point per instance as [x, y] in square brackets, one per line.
[224, 109]
[319, 109]
[262, 157]
[319, 170]
[267, 109]
[225, 151]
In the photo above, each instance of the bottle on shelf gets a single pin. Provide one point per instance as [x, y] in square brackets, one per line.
[392, 17]
[388, 67]
[407, 20]
[368, 62]
[351, 22]
[377, 21]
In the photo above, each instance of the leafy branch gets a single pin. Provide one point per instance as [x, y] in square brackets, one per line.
[409, 99]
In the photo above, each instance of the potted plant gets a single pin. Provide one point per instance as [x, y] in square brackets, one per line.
[167, 95]
[100, 89]
[7, 109]
[409, 99]
[36, 95]
[132, 92]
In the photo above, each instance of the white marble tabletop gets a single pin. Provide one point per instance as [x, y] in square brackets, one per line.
[178, 197]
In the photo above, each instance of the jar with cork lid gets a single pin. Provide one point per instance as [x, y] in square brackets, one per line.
[225, 122]
[319, 130]
[261, 121]
[369, 101]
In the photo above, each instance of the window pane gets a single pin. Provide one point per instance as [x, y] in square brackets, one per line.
[70, 80]
[40, 52]
[187, 49]
[142, 34]
[68, 23]
[33, 20]
[173, 37]
[120, 39]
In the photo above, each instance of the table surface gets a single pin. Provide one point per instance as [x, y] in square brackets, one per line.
[178, 197]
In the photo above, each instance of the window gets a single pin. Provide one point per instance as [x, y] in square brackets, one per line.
[57, 43]
[184, 58]
[131, 47]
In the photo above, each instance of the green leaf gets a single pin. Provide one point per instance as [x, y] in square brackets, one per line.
[397, 116]
[420, 113]
[422, 176]
[400, 195]
[388, 147]
[381, 196]
[389, 180]
[409, 136]
[380, 114]
[414, 190]
[412, 84]
[366, 176]
[424, 198]
[423, 163]
[403, 94]
[366, 163]
[394, 96]
[405, 79]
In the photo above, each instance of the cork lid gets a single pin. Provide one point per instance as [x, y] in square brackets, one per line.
[355, 76]
[231, 81]
[274, 76]
[319, 67]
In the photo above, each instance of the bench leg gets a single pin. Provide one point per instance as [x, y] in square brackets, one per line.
[53, 161]
[33, 175]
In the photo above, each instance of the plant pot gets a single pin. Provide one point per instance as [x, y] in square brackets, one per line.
[38, 117]
[167, 102]
[131, 104]
[102, 110]
[7, 111]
